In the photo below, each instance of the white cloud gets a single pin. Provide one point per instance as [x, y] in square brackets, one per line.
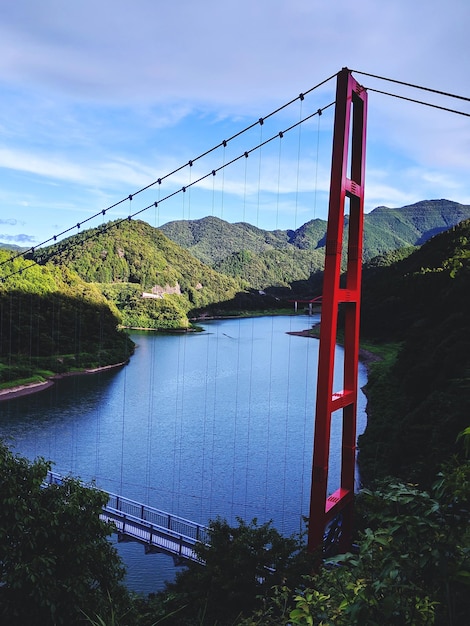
[58, 167]
[101, 98]
[222, 53]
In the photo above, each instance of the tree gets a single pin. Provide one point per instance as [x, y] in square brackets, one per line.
[412, 564]
[241, 564]
[56, 563]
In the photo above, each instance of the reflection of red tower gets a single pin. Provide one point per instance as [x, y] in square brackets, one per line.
[347, 184]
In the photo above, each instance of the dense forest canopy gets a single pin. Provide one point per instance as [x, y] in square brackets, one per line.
[421, 402]
[125, 260]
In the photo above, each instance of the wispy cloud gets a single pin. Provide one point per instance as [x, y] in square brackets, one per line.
[20, 238]
[94, 109]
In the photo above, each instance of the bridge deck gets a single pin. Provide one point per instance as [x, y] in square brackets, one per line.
[157, 530]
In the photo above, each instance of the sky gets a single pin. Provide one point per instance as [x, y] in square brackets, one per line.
[101, 98]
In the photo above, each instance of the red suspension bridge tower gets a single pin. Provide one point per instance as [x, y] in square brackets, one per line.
[346, 187]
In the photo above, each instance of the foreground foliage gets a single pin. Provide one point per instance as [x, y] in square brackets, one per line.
[242, 564]
[55, 558]
[411, 564]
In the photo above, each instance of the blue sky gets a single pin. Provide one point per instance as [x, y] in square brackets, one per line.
[100, 98]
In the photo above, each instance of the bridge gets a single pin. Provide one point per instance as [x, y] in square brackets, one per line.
[161, 531]
[311, 303]
[157, 530]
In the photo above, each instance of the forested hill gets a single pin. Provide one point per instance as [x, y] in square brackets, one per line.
[387, 229]
[131, 258]
[212, 239]
[421, 402]
[280, 257]
[52, 322]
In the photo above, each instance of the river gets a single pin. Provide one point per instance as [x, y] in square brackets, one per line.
[216, 423]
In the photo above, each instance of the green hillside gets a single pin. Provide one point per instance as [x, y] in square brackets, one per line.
[51, 321]
[421, 401]
[387, 229]
[273, 269]
[212, 240]
[265, 259]
[243, 251]
[128, 259]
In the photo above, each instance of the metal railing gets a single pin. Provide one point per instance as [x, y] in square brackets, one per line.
[156, 529]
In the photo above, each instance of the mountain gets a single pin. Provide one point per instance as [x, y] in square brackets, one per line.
[388, 229]
[153, 282]
[212, 240]
[264, 259]
[418, 404]
[12, 247]
[242, 250]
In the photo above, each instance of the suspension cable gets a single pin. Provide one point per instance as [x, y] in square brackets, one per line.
[176, 170]
[105, 227]
[427, 104]
[400, 82]
[224, 143]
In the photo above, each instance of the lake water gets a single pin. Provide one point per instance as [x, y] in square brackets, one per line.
[198, 424]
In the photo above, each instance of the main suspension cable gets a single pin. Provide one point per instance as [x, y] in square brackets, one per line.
[427, 104]
[400, 82]
[176, 170]
[105, 227]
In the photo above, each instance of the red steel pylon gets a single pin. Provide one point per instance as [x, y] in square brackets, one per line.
[347, 183]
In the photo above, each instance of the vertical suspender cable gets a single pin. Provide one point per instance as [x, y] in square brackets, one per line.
[268, 408]
[181, 432]
[123, 421]
[248, 461]
[319, 114]
[216, 364]
[224, 143]
[202, 482]
[235, 477]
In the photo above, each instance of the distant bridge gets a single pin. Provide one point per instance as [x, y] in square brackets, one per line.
[311, 303]
[157, 530]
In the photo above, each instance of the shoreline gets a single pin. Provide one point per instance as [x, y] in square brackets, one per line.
[365, 356]
[10, 393]
[27, 389]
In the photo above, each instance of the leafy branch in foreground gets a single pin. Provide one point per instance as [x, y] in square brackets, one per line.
[412, 565]
[55, 557]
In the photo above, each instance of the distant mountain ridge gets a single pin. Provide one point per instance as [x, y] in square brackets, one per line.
[155, 279]
[243, 250]
[211, 239]
[412, 224]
